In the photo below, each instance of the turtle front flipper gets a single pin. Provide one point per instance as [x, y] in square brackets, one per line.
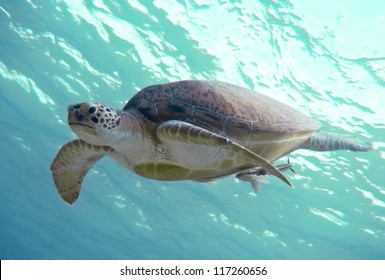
[189, 133]
[71, 164]
[322, 141]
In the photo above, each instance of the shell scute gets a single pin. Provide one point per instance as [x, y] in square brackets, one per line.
[233, 125]
[173, 109]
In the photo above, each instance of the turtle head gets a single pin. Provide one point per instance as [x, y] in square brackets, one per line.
[93, 122]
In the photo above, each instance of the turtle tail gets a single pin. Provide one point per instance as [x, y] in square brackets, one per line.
[332, 141]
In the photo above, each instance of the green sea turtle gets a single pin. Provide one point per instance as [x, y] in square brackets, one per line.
[188, 130]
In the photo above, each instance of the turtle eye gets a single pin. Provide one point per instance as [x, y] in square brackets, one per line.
[95, 120]
[92, 110]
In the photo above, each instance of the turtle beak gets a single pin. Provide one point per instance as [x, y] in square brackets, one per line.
[81, 113]
[79, 118]
[76, 113]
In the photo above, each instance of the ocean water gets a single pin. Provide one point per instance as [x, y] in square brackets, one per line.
[325, 58]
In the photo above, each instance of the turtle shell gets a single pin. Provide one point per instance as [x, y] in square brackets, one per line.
[254, 120]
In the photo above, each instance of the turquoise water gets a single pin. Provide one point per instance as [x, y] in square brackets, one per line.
[323, 58]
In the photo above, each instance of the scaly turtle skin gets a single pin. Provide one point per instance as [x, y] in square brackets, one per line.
[188, 130]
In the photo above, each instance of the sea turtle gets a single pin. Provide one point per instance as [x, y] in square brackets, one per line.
[188, 130]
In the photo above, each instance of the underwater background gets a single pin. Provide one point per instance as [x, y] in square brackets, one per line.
[324, 58]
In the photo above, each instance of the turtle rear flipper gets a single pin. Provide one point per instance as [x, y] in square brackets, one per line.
[322, 141]
[253, 176]
[71, 164]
